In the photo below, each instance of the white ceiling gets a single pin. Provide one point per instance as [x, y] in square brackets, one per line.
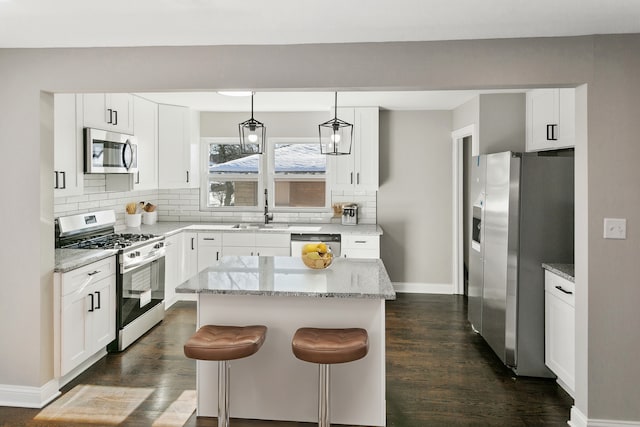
[94, 23]
[319, 101]
[89, 23]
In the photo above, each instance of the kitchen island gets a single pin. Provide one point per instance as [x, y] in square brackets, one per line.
[284, 295]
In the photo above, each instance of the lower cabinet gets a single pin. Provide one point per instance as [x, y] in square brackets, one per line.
[172, 270]
[85, 317]
[560, 329]
[209, 249]
[360, 246]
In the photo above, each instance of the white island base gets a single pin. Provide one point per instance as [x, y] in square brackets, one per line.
[274, 385]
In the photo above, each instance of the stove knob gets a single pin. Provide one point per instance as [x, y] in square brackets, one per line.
[137, 253]
[158, 245]
[132, 255]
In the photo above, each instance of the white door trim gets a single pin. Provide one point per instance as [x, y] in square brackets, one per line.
[457, 257]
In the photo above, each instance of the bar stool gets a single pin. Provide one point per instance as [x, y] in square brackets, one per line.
[222, 344]
[326, 347]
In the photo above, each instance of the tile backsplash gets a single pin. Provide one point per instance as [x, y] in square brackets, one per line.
[184, 205]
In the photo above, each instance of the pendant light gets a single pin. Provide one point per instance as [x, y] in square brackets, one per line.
[252, 134]
[335, 135]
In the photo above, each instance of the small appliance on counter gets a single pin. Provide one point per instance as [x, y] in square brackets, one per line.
[350, 214]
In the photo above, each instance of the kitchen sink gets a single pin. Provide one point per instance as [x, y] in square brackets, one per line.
[213, 227]
[276, 227]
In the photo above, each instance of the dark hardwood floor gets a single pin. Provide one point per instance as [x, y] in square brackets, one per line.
[439, 373]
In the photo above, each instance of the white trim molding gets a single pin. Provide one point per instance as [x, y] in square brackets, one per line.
[578, 419]
[423, 288]
[28, 397]
[457, 257]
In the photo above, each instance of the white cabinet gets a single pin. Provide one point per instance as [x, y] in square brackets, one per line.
[550, 122]
[359, 170]
[84, 315]
[273, 244]
[68, 166]
[560, 329]
[189, 264]
[360, 246]
[256, 244]
[146, 133]
[172, 267]
[209, 249]
[177, 147]
[109, 111]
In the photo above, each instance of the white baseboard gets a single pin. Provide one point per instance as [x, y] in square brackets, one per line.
[28, 397]
[578, 419]
[423, 288]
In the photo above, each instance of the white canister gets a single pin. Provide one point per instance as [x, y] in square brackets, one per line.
[149, 217]
[132, 220]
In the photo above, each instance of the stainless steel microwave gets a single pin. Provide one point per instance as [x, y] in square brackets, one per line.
[109, 152]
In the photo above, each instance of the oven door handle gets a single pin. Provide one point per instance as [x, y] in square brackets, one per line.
[146, 260]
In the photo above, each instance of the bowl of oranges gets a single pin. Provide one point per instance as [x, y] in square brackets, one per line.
[317, 255]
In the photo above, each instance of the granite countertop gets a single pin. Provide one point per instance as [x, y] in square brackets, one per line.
[169, 228]
[288, 276]
[563, 270]
[70, 259]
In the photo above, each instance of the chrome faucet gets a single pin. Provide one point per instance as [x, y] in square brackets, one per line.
[267, 216]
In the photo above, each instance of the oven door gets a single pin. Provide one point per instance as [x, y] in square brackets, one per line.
[110, 152]
[139, 290]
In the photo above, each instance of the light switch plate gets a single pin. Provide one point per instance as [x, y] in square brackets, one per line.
[615, 228]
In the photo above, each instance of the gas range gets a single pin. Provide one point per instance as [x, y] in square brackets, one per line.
[139, 271]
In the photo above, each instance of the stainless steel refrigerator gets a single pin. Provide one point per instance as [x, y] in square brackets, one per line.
[524, 214]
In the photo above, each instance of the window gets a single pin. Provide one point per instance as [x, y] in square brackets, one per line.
[293, 171]
[298, 173]
[232, 179]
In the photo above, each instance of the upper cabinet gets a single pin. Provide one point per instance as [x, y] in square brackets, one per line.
[146, 133]
[550, 119]
[109, 111]
[68, 170]
[177, 147]
[359, 170]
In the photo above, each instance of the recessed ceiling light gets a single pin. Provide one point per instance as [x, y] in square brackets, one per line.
[235, 92]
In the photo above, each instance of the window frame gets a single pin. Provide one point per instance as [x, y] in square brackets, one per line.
[266, 176]
[205, 142]
[271, 174]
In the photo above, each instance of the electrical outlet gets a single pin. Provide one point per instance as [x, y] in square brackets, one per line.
[615, 228]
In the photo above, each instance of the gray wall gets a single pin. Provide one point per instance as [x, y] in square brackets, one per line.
[282, 125]
[606, 165]
[414, 199]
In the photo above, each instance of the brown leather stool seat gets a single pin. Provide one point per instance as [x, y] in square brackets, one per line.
[213, 342]
[326, 347]
[222, 344]
[329, 346]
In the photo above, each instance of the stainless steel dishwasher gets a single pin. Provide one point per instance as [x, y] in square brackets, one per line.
[298, 240]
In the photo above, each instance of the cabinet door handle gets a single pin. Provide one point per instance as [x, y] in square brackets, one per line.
[358, 178]
[55, 180]
[192, 242]
[98, 294]
[64, 180]
[110, 121]
[115, 114]
[217, 256]
[93, 273]
[187, 176]
[352, 177]
[91, 309]
[208, 238]
[138, 178]
[561, 289]
[551, 132]
[359, 241]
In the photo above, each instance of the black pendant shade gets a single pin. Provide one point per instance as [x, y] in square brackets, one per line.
[335, 135]
[252, 134]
